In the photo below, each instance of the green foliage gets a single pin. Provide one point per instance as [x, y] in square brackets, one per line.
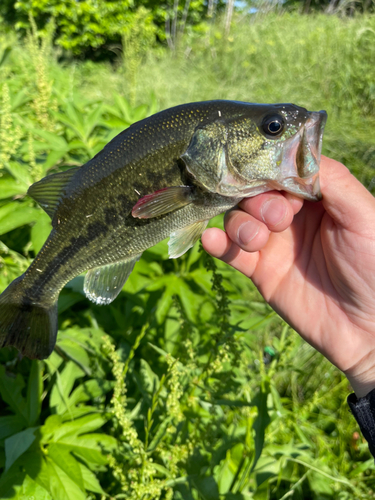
[188, 386]
[316, 61]
[79, 25]
[97, 28]
[341, 7]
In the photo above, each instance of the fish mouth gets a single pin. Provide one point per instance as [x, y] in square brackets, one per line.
[301, 158]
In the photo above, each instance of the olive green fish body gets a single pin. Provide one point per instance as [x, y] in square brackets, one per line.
[164, 176]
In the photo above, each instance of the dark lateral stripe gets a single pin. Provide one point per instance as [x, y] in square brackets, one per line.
[94, 231]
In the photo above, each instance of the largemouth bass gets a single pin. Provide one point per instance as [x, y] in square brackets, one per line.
[167, 175]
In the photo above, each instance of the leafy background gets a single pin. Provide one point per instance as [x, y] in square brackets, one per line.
[188, 386]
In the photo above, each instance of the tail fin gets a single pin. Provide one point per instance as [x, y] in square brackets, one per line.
[28, 326]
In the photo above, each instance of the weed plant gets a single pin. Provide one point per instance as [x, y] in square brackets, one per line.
[188, 386]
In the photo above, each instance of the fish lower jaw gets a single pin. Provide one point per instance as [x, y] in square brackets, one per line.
[307, 188]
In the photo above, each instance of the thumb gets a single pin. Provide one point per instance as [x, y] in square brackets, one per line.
[345, 199]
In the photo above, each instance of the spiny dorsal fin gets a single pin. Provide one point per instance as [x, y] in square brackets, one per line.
[162, 202]
[48, 191]
[180, 241]
[103, 284]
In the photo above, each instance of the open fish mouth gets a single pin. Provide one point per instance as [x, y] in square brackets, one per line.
[301, 159]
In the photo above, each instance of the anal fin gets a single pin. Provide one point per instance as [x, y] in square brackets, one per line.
[180, 241]
[162, 202]
[103, 284]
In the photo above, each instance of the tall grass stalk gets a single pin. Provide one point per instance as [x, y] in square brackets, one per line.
[40, 52]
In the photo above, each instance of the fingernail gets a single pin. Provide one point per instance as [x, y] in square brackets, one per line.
[273, 212]
[247, 232]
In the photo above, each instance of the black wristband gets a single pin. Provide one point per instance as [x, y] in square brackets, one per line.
[363, 410]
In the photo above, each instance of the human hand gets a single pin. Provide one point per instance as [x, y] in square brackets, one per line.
[314, 263]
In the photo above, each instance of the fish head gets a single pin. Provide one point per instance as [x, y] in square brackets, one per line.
[289, 140]
[263, 148]
[299, 158]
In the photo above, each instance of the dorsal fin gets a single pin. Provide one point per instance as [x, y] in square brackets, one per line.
[48, 191]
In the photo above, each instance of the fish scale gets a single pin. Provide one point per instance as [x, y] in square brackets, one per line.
[164, 176]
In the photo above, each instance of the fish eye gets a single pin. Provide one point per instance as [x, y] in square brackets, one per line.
[273, 125]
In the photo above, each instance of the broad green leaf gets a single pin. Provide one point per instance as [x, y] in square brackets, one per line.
[193, 255]
[320, 484]
[78, 412]
[76, 352]
[202, 279]
[34, 392]
[21, 215]
[88, 390]
[61, 486]
[11, 425]
[52, 159]
[91, 120]
[262, 421]
[64, 384]
[159, 435]
[7, 209]
[90, 481]
[207, 487]
[188, 299]
[162, 281]
[266, 468]
[159, 350]
[17, 444]
[51, 425]
[96, 146]
[66, 301]
[150, 380]
[10, 391]
[10, 481]
[65, 460]
[53, 141]
[262, 493]
[172, 331]
[53, 362]
[115, 124]
[93, 448]
[164, 304]
[72, 119]
[33, 462]
[40, 231]
[5, 53]
[80, 426]
[91, 339]
[29, 490]
[124, 107]
[163, 470]
[361, 468]
[224, 477]
[78, 144]
[20, 172]
[22, 97]
[139, 113]
[9, 187]
[161, 249]
[276, 398]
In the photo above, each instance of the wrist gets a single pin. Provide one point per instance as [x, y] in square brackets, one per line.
[362, 375]
[362, 382]
[361, 389]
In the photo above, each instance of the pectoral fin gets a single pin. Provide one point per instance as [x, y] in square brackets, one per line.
[103, 284]
[180, 241]
[162, 202]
